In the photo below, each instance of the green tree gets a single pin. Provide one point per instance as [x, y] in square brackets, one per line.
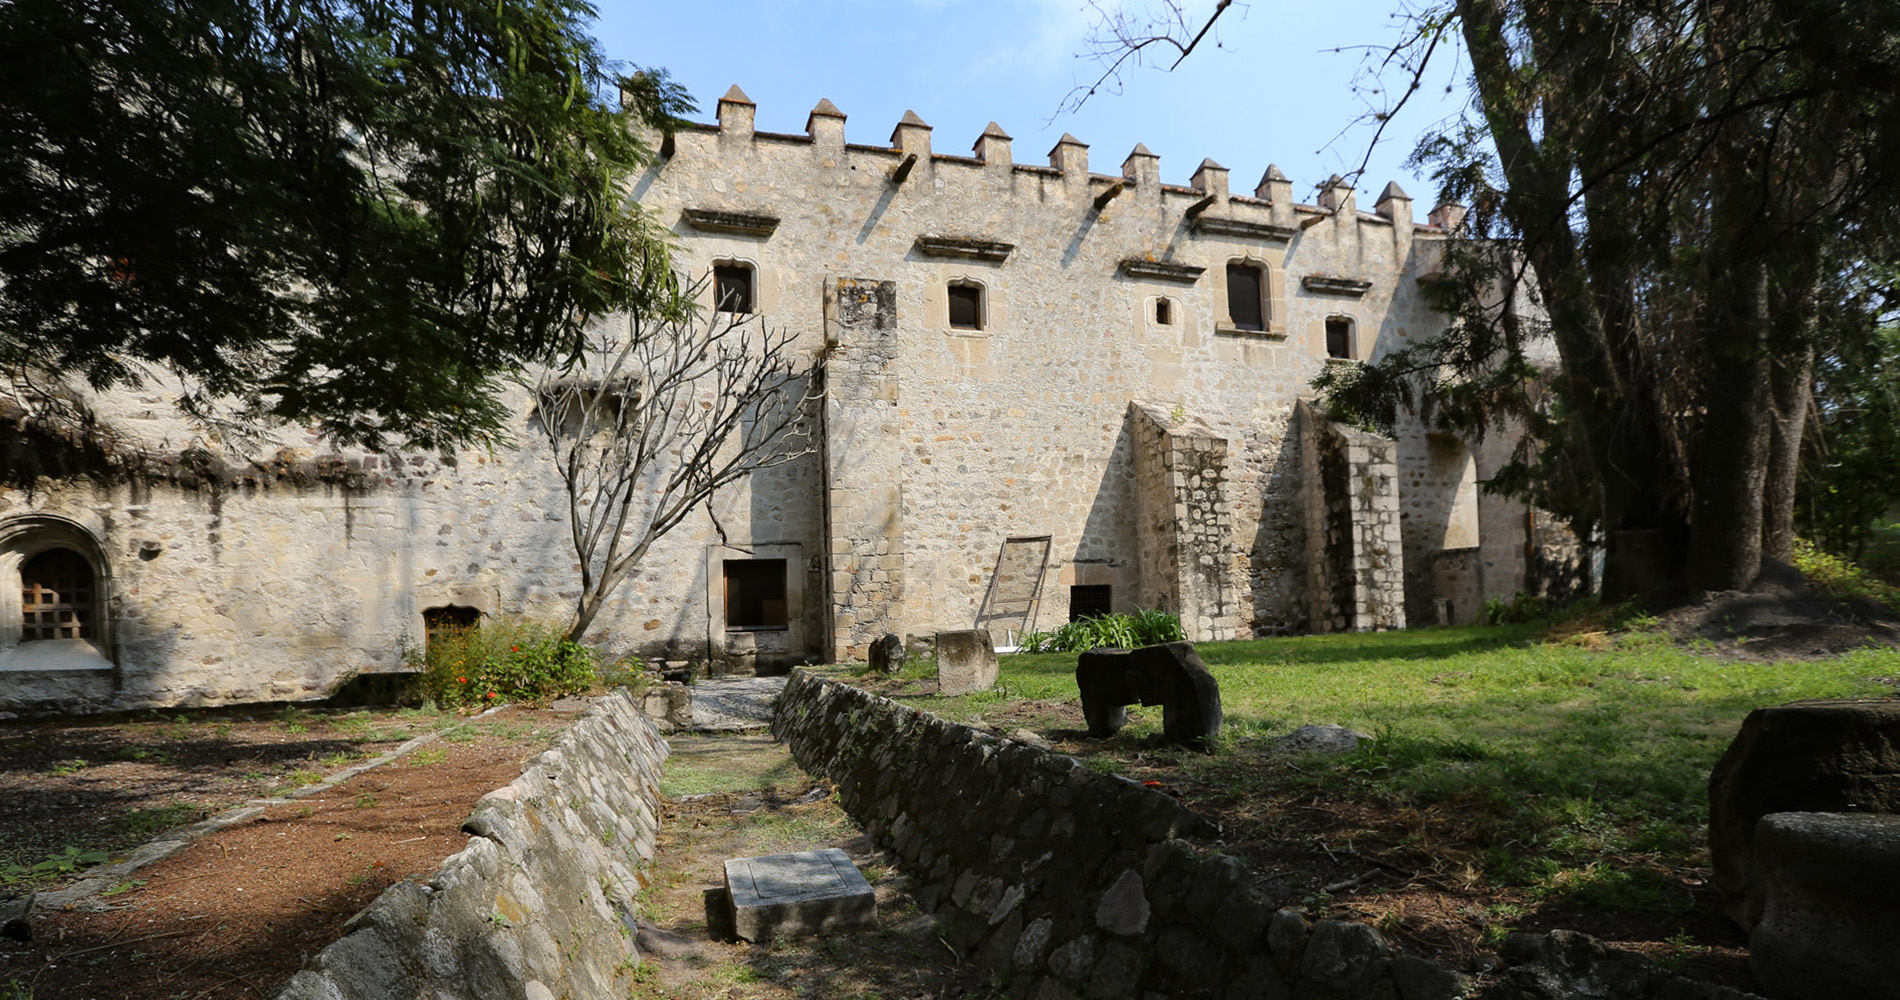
[356, 215]
[1664, 195]
[1850, 483]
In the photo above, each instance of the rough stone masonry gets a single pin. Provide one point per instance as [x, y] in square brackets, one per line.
[1049, 388]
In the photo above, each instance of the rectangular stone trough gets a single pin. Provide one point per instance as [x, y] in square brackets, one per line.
[789, 895]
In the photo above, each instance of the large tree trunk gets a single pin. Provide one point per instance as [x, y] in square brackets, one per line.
[1791, 385]
[1728, 458]
[1603, 383]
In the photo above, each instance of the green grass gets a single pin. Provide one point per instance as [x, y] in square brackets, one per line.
[703, 765]
[1545, 756]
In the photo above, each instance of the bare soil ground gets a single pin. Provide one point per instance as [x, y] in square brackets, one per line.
[109, 784]
[238, 911]
[770, 807]
[1783, 617]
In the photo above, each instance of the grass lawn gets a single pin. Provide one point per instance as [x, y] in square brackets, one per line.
[1520, 774]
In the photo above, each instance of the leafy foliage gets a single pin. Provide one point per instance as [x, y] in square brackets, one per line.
[65, 862]
[1114, 631]
[356, 215]
[1666, 201]
[1850, 482]
[1841, 579]
[503, 659]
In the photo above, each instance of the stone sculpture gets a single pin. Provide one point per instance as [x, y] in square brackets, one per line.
[1809, 756]
[887, 654]
[1170, 675]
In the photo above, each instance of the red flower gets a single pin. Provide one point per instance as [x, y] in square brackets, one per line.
[1152, 784]
[461, 680]
[514, 649]
[490, 694]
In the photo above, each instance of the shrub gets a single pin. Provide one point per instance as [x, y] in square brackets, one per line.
[1840, 579]
[1116, 631]
[1522, 607]
[504, 659]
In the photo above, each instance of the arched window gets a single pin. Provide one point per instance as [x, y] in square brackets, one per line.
[1339, 337]
[1246, 297]
[966, 305]
[57, 597]
[733, 289]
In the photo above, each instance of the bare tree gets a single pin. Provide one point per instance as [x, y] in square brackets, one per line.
[654, 416]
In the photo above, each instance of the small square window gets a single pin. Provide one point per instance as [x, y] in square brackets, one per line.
[732, 288]
[1091, 601]
[966, 307]
[1245, 307]
[755, 594]
[1338, 337]
[1164, 312]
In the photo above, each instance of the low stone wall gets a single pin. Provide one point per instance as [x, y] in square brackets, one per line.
[539, 904]
[1066, 882]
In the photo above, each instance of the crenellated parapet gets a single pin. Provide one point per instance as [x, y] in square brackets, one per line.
[908, 156]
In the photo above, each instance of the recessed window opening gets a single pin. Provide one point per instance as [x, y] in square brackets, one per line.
[732, 287]
[1164, 312]
[1090, 601]
[1338, 337]
[442, 627]
[57, 597]
[966, 307]
[755, 594]
[1245, 307]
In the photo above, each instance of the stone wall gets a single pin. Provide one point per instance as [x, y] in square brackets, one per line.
[1355, 560]
[1065, 882]
[540, 904]
[1184, 524]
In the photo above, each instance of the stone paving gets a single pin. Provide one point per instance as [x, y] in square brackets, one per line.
[735, 704]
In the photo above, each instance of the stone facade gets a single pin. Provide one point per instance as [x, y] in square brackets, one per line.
[1039, 393]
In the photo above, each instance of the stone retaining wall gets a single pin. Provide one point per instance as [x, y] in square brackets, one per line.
[1067, 882]
[539, 905]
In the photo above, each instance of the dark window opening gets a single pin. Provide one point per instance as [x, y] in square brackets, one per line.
[1164, 312]
[1338, 337]
[1089, 602]
[56, 596]
[732, 288]
[966, 307]
[1244, 304]
[755, 594]
[443, 627]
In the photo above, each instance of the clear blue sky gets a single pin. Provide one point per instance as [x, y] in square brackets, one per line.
[1278, 89]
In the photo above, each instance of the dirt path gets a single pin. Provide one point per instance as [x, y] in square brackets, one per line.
[231, 916]
[735, 796]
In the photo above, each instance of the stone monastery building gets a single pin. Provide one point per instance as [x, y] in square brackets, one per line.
[1051, 392]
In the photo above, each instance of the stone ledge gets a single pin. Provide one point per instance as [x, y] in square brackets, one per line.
[743, 223]
[964, 247]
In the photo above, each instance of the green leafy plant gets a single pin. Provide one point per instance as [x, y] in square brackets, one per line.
[1841, 579]
[503, 659]
[1522, 607]
[1116, 631]
[64, 863]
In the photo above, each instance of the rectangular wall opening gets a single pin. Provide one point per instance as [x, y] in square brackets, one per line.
[755, 594]
[1090, 601]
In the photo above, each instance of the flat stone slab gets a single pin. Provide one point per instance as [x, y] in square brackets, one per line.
[790, 895]
[735, 704]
